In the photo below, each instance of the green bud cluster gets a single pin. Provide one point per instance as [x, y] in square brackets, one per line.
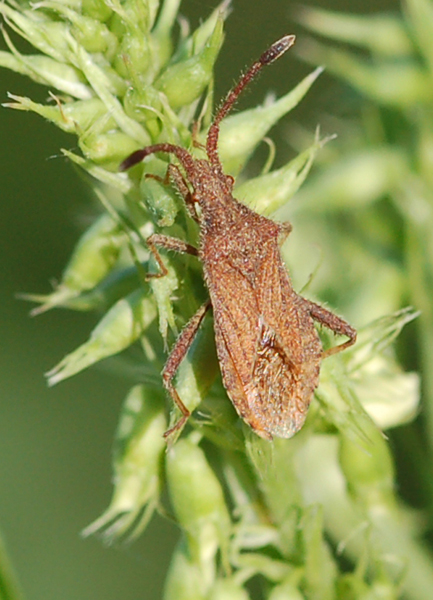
[248, 508]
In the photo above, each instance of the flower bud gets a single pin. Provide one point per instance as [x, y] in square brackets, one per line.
[138, 451]
[108, 149]
[389, 395]
[117, 181]
[198, 503]
[98, 9]
[73, 117]
[93, 35]
[117, 285]
[198, 40]
[144, 105]
[184, 81]
[50, 37]
[369, 475]
[94, 255]
[107, 84]
[133, 18]
[184, 580]
[162, 32]
[93, 258]
[118, 329]
[45, 70]
[134, 57]
[338, 393]
[267, 193]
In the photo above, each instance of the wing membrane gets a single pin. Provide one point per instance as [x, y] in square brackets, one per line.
[267, 345]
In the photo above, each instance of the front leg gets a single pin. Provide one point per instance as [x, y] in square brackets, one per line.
[170, 243]
[177, 354]
[334, 323]
[174, 174]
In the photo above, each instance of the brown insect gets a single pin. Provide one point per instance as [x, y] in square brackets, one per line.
[267, 345]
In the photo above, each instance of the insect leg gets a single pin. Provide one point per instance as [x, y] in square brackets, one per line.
[334, 323]
[177, 354]
[170, 243]
[174, 174]
[195, 132]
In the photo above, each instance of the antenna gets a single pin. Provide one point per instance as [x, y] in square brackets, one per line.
[275, 51]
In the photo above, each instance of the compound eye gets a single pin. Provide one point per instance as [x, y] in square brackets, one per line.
[230, 181]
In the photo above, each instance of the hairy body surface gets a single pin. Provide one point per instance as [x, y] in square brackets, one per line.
[267, 345]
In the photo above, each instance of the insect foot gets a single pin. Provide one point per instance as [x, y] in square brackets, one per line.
[267, 345]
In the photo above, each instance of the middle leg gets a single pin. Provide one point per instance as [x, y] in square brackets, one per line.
[170, 243]
[177, 354]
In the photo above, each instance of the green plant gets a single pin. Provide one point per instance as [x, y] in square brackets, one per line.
[391, 147]
[282, 513]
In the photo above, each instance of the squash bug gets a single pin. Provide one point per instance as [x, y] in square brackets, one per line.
[267, 345]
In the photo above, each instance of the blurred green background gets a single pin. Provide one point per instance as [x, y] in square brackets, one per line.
[55, 444]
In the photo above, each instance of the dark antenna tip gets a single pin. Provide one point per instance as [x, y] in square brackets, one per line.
[277, 49]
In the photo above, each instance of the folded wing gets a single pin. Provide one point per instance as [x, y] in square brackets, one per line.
[267, 345]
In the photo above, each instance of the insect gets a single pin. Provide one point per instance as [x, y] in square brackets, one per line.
[267, 345]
